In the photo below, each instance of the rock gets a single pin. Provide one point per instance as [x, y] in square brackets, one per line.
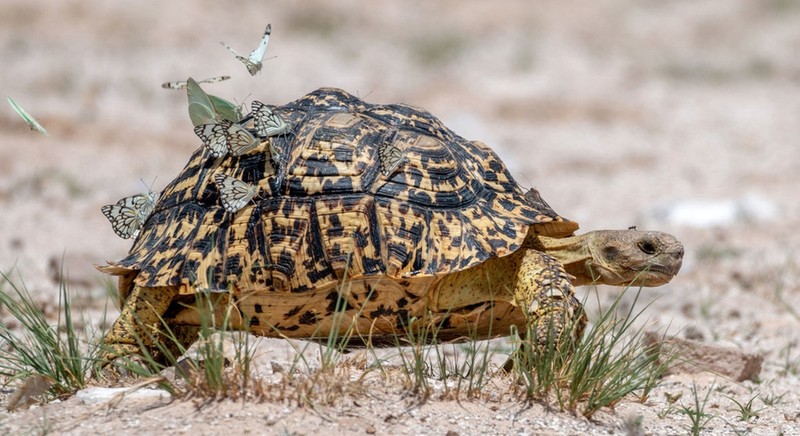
[692, 357]
[97, 395]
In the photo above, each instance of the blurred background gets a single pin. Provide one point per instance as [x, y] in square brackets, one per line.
[677, 115]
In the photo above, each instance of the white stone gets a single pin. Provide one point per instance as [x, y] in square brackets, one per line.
[99, 395]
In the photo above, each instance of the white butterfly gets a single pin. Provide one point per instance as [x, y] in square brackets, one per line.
[130, 213]
[27, 117]
[253, 61]
[267, 122]
[390, 157]
[182, 85]
[240, 141]
[234, 193]
[143, 203]
[214, 136]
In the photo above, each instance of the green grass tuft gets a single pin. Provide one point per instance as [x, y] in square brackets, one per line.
[37, 347]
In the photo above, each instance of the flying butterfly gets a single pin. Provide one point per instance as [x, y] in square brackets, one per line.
[240, 141]
[214, 137]
[391, 157]
[27, 117]
[234, 193]
[267, 122]
[183, 85]
[253, 61]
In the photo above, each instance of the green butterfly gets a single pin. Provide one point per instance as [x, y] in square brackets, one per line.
[27, 117]
[209, 109]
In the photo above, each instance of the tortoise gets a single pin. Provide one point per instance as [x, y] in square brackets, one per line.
[379, 214]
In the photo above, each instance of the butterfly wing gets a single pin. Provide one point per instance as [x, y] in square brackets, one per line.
[214, 137]
[267, 122]
[240, 141]
[124, 220]
[252, 68]
[215, 79]
[142, 203]
[225, 109]
[34, 125]
[182, 85]
[173, 85]
[390, 158]
[232, 50]
[201, 110]
[257, 55]
[233, 193]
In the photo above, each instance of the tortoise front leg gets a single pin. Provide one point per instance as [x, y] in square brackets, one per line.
[141, 324]
[555, 318]
[543, 289]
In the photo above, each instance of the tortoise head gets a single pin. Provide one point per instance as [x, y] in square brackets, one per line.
[632, 257]
[617, 257]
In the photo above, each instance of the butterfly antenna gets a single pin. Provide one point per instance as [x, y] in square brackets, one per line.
[241, 105]
[149, 188]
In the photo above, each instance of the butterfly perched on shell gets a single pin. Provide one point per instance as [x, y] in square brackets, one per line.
[256, 57]
[129, 213]
[226, 136]
[240, 140]
[183, 85]
[267, 122]
[214, 137]
[234, 193]
[390, 158]
[27, 117]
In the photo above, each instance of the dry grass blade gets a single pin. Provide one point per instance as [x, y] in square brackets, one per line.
[144, 383]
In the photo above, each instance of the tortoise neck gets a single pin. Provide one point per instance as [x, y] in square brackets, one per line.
[573, 253]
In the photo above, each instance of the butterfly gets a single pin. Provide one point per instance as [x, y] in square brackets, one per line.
[239, 139]
[209, 109]
[27, 117]
[183, 85]
[267, 122]
[214, 136]
[144, 203]
[234, 193]
[253, 61]
[129, 213]
[390, 157]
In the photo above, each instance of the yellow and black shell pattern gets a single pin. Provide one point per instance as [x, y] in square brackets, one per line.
[366, 190]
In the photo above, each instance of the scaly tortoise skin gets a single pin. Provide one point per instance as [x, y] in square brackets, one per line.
[446, 236]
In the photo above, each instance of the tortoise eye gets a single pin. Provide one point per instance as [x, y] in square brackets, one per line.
[647, 247]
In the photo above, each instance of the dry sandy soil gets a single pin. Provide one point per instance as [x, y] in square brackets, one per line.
[678, 115]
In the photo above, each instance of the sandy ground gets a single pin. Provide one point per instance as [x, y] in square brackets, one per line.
[680, 116]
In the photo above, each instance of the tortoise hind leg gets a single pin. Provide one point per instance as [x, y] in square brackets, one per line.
[554, 315]
[141, 324]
